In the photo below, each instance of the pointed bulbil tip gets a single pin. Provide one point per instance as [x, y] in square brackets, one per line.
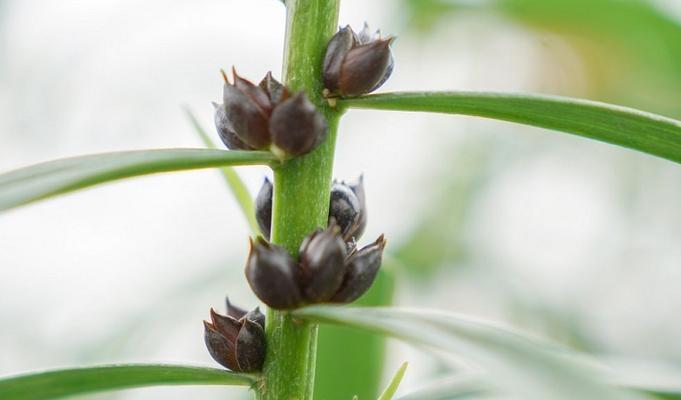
[224, 76]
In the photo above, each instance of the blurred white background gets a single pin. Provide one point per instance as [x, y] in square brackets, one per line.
[578, 232]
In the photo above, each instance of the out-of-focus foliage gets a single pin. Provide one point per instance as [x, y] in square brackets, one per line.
[632, 48]
[343, 349]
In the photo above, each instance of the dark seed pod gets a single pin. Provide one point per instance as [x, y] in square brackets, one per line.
[296, 126]
[358, 189]
[250, 346]
[347, 207]
[344, 209]
[236, 344]
[233, 311]
[272, 274]
[248, 107]
[361, 270]
[267, 117]
[356, 64]
[263, 208]
[275, 90]
[225, 130]
[322, 264]
[256, 316]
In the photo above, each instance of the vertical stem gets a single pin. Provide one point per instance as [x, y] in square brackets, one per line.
[301, 198]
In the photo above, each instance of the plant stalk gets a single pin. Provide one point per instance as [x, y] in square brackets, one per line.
[301, 198]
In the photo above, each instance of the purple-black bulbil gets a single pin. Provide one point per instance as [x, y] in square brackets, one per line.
[236, 340]
[325, 272]
[268, 117]
[347, 208]
[356, 64]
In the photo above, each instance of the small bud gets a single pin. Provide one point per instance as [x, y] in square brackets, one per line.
[275, 90]
[356, 64]
[347, 207]
[296, 126]
[322, 264]
[266, 117]
[248, 108]
[236, 344]
[344, 209]
[256, 316]
[250, 346]
[263, 208]
[272, 274]
[358, 189]
[225, 130]
[361, 270]
[233, 311]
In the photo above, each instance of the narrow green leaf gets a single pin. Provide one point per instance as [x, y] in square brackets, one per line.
[51, 178]
[232, 179]
[460, 386]
[68, 382]
[341, 349]
[638, 130]
[390, 390]
[520, 366]
[476, 386]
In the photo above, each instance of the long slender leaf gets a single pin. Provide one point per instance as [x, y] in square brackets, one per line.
[477, 386]
[460, 386]
[67, 382]
[51, 178]
[520, 366]
[638, 130]
[394, 384]
[341, 349]
[232, 179]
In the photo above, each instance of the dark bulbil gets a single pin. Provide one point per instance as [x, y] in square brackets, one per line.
[236, 340]
[356, 64]
[347, 208]
[326, 272]
[268, 117]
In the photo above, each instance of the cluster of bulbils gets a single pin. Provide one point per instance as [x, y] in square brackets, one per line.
[268, 117]
[236, 340]
[329, 267]
[356, 64]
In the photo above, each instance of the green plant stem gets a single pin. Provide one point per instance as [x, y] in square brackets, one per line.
[301, 198]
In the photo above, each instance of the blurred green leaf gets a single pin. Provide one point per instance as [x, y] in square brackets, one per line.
[390, 390]
[520, 366]
[477, 386]
[234, 183]
[638, 130]
[632, 48]
[460, 386]
[341, 349]
[52, 178]
[438, 238]
[68, 382]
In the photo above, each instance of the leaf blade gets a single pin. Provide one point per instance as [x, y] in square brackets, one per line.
[627, 127]
[52, 178]
[520, 365]
[390, 390]
[67, 382]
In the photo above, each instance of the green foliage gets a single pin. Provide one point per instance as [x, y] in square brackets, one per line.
[341, 349]
[520, 366]
[52, 178]
[69, 382]
[626, 127]
[632, 49]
